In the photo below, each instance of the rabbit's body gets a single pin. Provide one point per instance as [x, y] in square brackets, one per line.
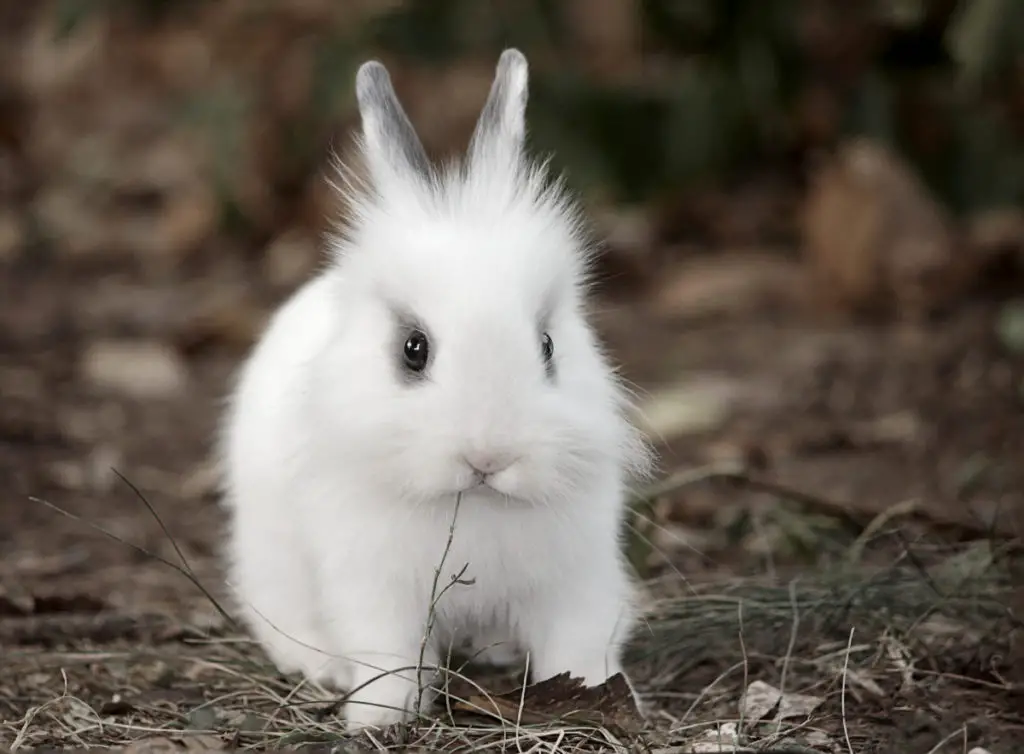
[352, 456]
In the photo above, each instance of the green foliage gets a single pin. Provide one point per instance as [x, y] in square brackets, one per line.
[70, 14]
[738, 68]
[941, 81]
[220, 115]
[335, 58]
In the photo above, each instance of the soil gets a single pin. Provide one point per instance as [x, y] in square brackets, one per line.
[857, 418]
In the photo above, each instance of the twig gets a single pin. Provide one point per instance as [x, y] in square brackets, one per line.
[743, 655]
[434, 597]
[142, 550]
[156, 517]
[635, 530]
[962, 730]
[707, 689]
[905, 508]
[793, 632]
[522, 700]
[842, 693]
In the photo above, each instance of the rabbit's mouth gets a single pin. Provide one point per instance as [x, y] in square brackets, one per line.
[482, 482]
[483, 487]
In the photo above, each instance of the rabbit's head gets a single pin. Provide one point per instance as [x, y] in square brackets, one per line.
[464, 360]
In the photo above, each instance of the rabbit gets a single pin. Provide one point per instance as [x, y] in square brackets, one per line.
[429, 435]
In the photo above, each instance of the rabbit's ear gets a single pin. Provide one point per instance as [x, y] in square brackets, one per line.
[390, 140]
[500, 132]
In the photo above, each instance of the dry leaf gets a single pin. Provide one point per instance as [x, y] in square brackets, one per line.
[876, 240]
[562, 699]
[998, 232]
[142, 369]
[758, 701]
[290, 259]
[818, 739]
[228, 318]
[722, 739]
[606, 33]
[691, 405]
[730, 283]
[761, 698]
[798, 705]
[12, 235]
[858, 679]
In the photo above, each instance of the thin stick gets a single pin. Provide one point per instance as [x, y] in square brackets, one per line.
[522, 701]
[789, 649]
[142, 550]
[743, 654]
[434, 597]
[842, 693]
[707, 690]
[962, 730]
[156, 517]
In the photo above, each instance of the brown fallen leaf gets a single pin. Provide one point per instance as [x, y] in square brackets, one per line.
[290, 258]
[229, 318]
[607, 36]
[997, 232]
[563, 699]
[875, 239]
[144, 369]
[12, 235]
[741, 281]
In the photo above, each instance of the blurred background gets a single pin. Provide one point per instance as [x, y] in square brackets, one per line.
[812, 272]
[813, 261]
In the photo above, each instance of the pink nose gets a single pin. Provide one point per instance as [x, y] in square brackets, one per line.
[489, 463]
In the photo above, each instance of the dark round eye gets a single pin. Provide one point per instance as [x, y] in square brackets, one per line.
[547, 347]
[416, 351]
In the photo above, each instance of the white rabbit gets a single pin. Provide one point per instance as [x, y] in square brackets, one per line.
[439, 367]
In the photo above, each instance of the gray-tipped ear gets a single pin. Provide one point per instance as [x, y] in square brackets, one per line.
[502, 125]
[391, 141]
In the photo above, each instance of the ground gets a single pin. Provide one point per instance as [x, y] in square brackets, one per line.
[799, 437]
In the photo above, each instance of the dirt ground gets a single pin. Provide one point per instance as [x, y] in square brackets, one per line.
[838, 421]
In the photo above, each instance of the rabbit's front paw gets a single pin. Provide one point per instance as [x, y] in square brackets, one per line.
[385, 701]
[313, 664]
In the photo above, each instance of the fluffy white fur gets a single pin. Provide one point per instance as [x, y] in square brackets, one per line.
[342, 474]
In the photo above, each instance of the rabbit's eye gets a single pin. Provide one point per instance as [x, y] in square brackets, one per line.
[547, 347]
[416, 351]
